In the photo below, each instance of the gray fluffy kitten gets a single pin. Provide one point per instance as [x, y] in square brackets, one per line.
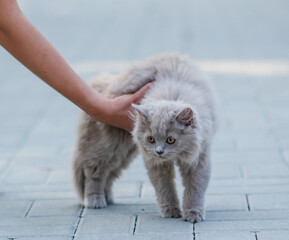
[174, 125]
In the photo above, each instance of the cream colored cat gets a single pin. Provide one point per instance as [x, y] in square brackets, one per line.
[174, 125]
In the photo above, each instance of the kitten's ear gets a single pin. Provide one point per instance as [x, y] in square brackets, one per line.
[185, 117]
[141, 111]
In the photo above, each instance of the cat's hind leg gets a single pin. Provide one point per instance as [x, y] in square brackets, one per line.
[95, 179]
[162, 178]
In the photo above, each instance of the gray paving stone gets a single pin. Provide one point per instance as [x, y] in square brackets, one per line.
[225, 171]
[44, 160]
[268, 235]
[254, 225]
[256, 143]
[248, 121]
[247, 215]
[135, 172]
[59, 176]
[14, 208]
[283, 142]
[248, 189]
[3, 164]
[155, 224]
[275, 181]
[37, 187]
[41, 238]
[43, 221]
[148, 191]
[226, 202]
[264, 156]
[35, 231]
[171, 236]
[221, 144]
[103, 236]
[118, 224]
[26, 174]
[39, 195]
[134, 201]
[269, 201]
[226, 235]
[286, 154]
[126, 189]
[124, 209]
[266, 170]
[55, 208]
[242, 107]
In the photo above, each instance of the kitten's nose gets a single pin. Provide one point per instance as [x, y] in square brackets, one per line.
[160, 152]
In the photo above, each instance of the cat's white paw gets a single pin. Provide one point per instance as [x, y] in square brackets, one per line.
[109, 198]
[193, 215]
[95, 201]
[170, 212]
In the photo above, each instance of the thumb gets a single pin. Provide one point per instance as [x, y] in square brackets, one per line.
[140, 93]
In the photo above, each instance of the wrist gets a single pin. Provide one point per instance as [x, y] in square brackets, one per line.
[100, 107]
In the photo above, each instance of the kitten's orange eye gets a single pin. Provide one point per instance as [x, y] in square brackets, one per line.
[171, 140]
[151, 139]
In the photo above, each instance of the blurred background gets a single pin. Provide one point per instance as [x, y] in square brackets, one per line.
[88, 31]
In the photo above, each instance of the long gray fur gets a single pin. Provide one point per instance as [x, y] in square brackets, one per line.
[179, 105]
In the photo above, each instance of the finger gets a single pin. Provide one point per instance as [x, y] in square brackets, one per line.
[140, 93]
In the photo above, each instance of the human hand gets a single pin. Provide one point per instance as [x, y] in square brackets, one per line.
[118, 109]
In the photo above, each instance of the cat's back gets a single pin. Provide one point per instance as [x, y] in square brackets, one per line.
[178, 79]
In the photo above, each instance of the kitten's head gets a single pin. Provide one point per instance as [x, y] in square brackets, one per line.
[167, 130]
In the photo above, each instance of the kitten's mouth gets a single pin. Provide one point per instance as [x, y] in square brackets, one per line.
[163, 157]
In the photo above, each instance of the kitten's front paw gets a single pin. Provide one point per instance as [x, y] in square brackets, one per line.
[193, 215]
[95, 201]
[170, 212]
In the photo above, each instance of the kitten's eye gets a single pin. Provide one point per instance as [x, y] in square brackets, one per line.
[171, 140]
[151, 139]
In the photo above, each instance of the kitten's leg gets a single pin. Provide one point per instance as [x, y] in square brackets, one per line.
[94, 187]
[195, 181]
[162, 178]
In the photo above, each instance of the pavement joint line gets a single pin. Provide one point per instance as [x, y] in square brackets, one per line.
[134, 227]
[241, 171]
[248, 204]
[194, 231]
[78, 222]
[256, 236]
[29, 209]
[140, 189]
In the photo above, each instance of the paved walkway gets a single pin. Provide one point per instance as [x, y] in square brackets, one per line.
[248, 196]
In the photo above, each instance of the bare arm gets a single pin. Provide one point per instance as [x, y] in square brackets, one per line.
[24, 42]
